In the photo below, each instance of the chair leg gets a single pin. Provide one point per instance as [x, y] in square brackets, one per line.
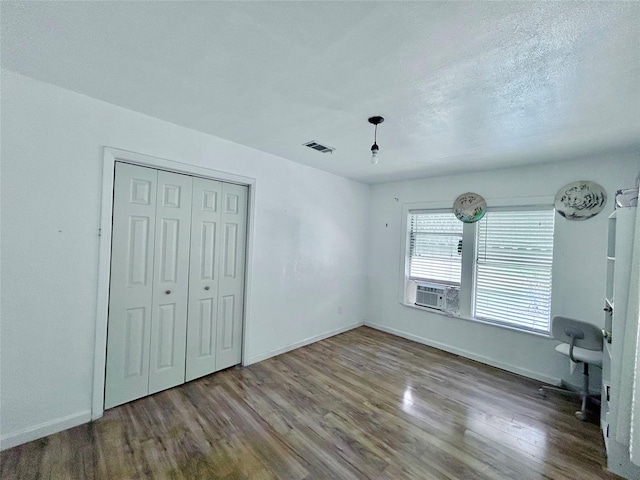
[584, 394]
[564, 389]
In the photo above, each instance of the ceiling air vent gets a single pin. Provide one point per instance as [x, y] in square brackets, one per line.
[318, 147]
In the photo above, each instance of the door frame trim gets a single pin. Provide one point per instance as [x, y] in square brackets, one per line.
[110, 157]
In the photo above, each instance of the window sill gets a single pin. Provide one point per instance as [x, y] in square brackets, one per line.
[476, 320]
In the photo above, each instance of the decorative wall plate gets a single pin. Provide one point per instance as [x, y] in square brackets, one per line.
[627, 197]
[580, 200]
[469, 207]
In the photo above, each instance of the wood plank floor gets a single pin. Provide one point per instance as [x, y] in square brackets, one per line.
[360, 405]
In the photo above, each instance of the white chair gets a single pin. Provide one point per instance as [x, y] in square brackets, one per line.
[582, 343]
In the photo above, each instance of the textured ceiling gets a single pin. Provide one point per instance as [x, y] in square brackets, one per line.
[463, 86]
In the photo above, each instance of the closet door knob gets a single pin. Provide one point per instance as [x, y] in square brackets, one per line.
[168, 292]
[207, 287]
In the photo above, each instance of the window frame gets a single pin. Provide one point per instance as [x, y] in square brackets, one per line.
[469, 250]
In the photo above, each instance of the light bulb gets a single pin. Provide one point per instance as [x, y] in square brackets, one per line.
[374, 154]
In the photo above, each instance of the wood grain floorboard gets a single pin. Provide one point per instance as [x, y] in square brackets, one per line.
[360, 405]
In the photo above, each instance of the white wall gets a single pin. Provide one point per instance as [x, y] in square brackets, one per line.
[308, 237]
[578, 272]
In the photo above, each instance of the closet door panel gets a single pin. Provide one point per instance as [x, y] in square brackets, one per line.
[177, 280]
[203, 278]
[131, 289]
[170, 281]
[231, 285]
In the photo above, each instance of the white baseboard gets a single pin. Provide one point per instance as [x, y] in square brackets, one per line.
[302, 343]
[44, 429]
[464, 353]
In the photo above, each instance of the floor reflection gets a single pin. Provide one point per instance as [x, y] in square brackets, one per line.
[523, 438]
[484, 426]
[407, 401]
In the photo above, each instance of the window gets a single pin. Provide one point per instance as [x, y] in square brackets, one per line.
[498, 269]
[435, 247]
[513, 268]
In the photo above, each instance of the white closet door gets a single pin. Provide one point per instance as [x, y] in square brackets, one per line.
[203, 278]
[231, 287]
[177, 280]
[131, 290]
[170, 281]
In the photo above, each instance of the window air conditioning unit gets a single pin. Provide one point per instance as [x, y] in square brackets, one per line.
[431, 295]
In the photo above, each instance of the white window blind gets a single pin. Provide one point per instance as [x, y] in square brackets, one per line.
[434, 245]
[513, 269]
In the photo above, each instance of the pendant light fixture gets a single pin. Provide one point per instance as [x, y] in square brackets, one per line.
[374, 148]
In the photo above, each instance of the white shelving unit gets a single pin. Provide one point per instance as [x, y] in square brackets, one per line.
[619, 252]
